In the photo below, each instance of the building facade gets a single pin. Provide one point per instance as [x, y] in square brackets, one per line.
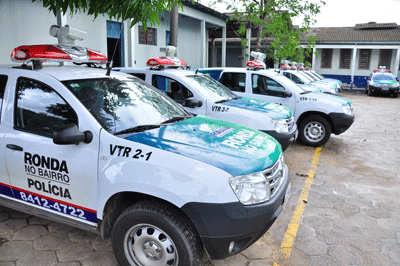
[352, 53]
[27, 23]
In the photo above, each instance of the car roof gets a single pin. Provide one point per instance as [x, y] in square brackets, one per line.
[68, 72]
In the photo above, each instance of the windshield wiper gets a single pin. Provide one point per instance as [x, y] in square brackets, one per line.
[224, 100]
[305, 92]
[175, 119]
[140, 128]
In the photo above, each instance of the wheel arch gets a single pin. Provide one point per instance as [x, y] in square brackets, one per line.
[119, 202]
[307, 114]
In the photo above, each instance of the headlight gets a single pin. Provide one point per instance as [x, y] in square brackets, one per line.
[333, 91]
[280, 125]
[348, 110]
[254, 188]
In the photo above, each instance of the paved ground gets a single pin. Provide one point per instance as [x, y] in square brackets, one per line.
[344, 208]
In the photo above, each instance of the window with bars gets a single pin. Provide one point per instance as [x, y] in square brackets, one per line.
[345, 58]
[365, 59]
[148, 37]
[385, 58]
[326, 58]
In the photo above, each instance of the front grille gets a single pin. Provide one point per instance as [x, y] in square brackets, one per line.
[290, 123]
[274, 175]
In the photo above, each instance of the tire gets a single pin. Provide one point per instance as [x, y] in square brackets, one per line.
[370, 93]
[314, 131]
[153, 233]
[396, 94]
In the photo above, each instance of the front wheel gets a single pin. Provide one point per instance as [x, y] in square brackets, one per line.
[155, 234]
[314, 131]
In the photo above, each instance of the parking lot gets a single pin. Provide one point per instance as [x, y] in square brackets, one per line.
[343, 210]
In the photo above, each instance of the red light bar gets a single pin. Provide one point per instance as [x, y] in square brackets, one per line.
[388, 70]
[284, 67]
[376, 70]
[301, 68]
[307, 68]
[56, 53]
[165, 61]
[255, 64]
[293, 68]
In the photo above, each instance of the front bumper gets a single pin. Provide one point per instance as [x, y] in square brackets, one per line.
[384, 89]
[220, 224]
[284, 139]
[341, 122]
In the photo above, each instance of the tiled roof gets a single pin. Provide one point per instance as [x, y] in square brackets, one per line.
[369, 32]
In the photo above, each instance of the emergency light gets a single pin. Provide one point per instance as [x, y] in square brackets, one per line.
[258, 61]
[256, 64]
[166, 61]
[56, 53]
[301, 66]
[284, 67]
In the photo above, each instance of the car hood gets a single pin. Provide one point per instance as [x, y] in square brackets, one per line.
[329, 98]
[385, 82]
[273, 110]
[236, 149]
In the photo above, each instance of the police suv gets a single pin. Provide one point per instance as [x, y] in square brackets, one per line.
[106, 152]
[382, 81]
[297, 75]
[317, 115]
[202, 95]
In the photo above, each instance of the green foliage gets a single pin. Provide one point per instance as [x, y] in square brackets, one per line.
[272, 19]
[138, 10]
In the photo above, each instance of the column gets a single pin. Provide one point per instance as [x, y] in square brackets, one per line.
[248, 37]
[223, 59]
[353, 66]
[203, 44]
[396, 64]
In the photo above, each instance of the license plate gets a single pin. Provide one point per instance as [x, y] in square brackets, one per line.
[287, 195]
[385, 89]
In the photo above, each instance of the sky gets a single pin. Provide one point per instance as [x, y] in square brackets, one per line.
[348, 13]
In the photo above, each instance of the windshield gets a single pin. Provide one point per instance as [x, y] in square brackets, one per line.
[210, 89]
[119, 104]
[318, 75]
[294, 86]
[309, 75]
[383, 76]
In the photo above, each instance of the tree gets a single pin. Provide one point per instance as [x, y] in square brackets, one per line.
[273, 20]
[137, 10]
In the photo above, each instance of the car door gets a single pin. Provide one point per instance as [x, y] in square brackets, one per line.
[267, 89]
[5, 189]
[58, 179]
[234, 81]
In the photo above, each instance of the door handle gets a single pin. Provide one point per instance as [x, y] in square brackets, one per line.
[14, 147]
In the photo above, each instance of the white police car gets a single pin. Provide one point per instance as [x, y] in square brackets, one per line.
[106, 152]
[317, 114]
[202, 95]
[382, 81]
[299, 76]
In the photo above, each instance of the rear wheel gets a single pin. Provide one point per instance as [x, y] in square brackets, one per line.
[155, 234]
[314, 131]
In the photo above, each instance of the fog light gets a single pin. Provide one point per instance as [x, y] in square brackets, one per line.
[231, 245]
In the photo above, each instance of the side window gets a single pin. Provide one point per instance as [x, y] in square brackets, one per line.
[296, 79]
[39, 109]
[172, 88]
[234, 81]
[3, 83]
[139, 75]
[266, 86]
[287, 74]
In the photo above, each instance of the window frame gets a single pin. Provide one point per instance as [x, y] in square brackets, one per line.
[364, 65]
[274, 93]
[238, 74]
[381, 58]
[146, 33]
[15, 127]
[345, 58]
[326, 57]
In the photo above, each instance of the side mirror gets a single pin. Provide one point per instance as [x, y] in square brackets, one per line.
[70, 134]
[192, 103]
[286, 94]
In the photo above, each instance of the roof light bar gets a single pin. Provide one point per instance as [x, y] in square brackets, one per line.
[166, 61]
[56, 53]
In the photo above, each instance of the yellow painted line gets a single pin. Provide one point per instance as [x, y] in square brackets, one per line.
[293, 226]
